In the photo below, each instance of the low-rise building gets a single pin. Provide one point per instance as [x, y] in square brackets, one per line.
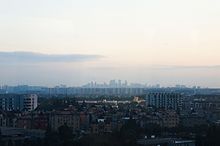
[170, 119]
[33, 121]
[60, 118]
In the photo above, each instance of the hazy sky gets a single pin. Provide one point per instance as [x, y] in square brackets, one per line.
[49, 42]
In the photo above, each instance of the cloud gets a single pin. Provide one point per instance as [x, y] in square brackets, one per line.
[184, 67]
[31, 57]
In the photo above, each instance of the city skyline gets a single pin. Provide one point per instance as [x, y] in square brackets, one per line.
[73, 42]
[113, 83]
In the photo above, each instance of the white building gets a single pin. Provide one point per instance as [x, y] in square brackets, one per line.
[30, 102]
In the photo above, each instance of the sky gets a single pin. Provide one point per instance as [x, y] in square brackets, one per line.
[72, 42]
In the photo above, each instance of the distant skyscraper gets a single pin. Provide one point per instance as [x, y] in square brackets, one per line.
[126, 83]
[119, 83]
[112, 83]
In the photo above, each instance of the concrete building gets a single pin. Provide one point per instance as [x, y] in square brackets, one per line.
[3, 120]
[170, 119]
[17, 102]
[166, 119]
[165, 100]
[60, 118]
[30, 102]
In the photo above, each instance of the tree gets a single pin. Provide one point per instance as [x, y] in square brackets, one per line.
[213, 136]
[129, 133]
[65, 135]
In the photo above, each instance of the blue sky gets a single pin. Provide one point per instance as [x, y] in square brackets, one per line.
[168, 42]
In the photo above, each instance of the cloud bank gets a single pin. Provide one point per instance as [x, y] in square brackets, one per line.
[31, 57]
[171, 67]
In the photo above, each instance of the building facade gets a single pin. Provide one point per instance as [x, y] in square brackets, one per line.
[165, 100]
[17, 102]
[60, 118]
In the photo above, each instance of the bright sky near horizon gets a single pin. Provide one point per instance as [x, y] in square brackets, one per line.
[149, 41]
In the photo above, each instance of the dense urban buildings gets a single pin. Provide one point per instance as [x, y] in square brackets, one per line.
[169, 118]
[114, 88]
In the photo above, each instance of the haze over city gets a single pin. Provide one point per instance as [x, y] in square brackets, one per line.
[72, 42]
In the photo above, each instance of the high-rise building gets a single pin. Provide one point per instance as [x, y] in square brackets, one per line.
[112, 83]
[165, 100]
[30, 102]
[13, 102]
[119, 83]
